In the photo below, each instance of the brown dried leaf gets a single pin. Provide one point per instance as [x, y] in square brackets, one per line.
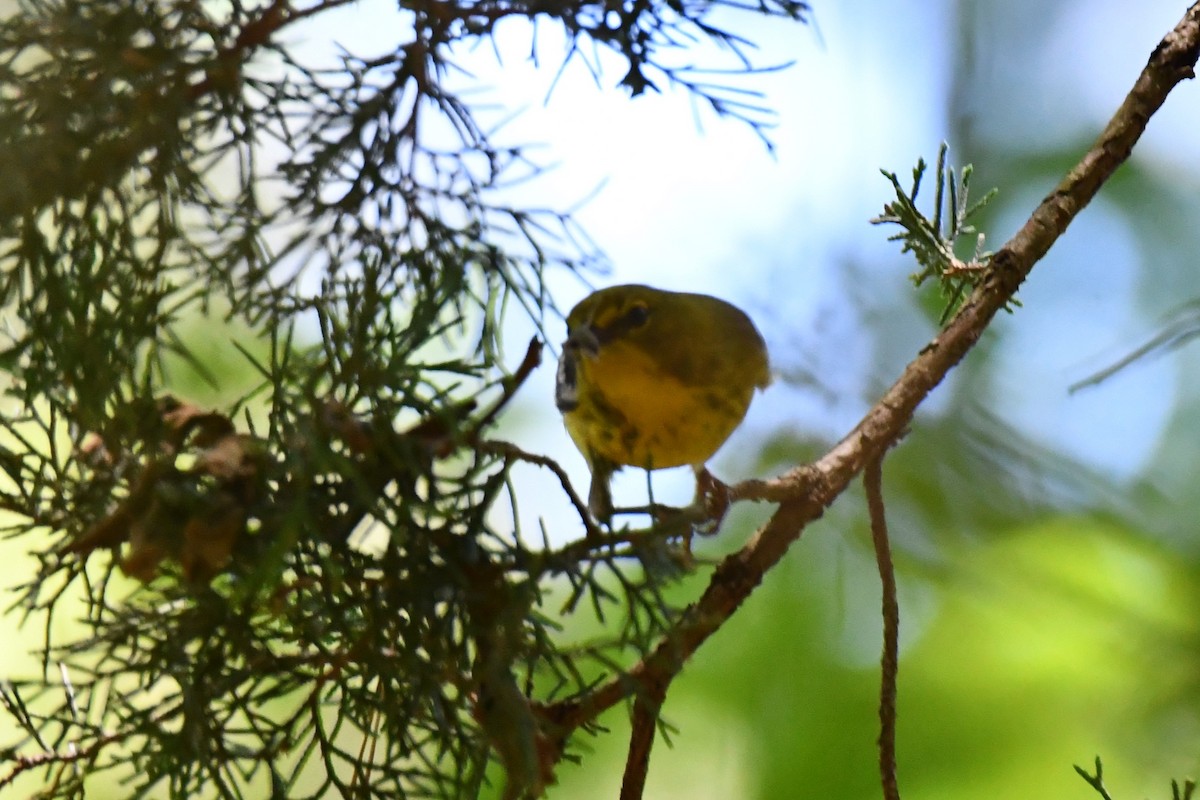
[341, 422]
[209, 425]
[154, 536]
[231, 457]
[94, 452]
[114, 528]
[208, 538]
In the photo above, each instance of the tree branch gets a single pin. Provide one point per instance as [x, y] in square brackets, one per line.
[890, 661]
[643, 725]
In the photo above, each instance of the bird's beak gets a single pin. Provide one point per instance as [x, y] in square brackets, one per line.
[566, 383]
[583, 341]
[580, 344]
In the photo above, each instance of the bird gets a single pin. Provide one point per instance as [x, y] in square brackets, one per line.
[654, 379]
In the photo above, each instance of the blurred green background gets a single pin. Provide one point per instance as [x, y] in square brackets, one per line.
[1047, 543]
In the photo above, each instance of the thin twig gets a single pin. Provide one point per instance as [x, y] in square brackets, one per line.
[511, 451]
[75, 753]
[890, 661]
[1096, 781]
[643, 723]
[533, 357]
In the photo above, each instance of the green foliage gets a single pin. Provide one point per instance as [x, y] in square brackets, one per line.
[934, 242]
[312, 590]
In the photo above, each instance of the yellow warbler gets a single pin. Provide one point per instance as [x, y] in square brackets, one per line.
[654, 379]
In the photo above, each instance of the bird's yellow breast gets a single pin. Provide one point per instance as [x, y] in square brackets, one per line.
[632, 412]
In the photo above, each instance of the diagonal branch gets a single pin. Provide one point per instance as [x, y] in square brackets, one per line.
[806, 491]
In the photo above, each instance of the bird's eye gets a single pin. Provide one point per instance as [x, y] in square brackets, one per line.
[637, 316]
